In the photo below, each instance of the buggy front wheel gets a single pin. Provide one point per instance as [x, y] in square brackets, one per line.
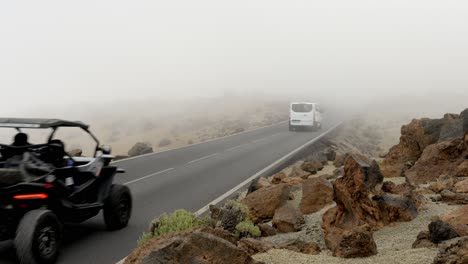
[118, 207]
[38, 238]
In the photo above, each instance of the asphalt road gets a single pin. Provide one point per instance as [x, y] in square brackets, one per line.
[188, 178]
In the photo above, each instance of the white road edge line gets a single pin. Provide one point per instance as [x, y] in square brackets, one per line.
[148, 176]
[235, 189]
[202, 158]
[242, 184]
[211, 140]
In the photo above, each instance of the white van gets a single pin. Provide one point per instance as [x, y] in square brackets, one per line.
[305, 115]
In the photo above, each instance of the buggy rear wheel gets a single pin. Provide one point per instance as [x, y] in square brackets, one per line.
[118, 207]
[38, 238]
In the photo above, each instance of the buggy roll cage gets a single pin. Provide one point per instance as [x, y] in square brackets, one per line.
[54, 124]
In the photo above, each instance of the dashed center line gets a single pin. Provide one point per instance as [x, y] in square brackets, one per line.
[258, 140]
[148, 176]
[202, 158]
[233, 148]
[265, 138]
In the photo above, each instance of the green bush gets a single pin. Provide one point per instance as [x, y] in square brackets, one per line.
[247, 229]
[144, 238]
[207, 222]
[237, 205]
[178, 221]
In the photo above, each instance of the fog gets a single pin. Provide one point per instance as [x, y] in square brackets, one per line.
[57, 54]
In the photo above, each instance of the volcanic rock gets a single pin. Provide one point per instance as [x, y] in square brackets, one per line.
[396, 209]
[257, 184]
[309, 248]
[263, 203]
[316, 194]
[437, 159]
[454, 198]
[312, 166]
[458, 220]
[440, 231]
[140, 148]
[423, 240]
[267, 230]
[453, 252]
[192, 247]
[415, 137]
[461, 186]
[287, 219]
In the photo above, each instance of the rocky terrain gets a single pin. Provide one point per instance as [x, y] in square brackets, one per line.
[347, 202]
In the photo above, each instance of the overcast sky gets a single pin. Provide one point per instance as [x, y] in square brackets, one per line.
[74, 51]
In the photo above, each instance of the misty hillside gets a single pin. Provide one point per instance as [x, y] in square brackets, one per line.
[163, 124]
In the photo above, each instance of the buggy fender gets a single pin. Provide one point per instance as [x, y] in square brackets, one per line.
[107, 178]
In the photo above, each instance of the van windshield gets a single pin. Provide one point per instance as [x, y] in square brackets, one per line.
[302, 108]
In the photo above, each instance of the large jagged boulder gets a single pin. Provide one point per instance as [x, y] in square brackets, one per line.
[348, 226]
[362, 207]
[416, 136]
[190, 247]
[288, 219]
[453, 252]
[458, 220]
[437, 159]
[264, 202]
[316, 194]
[140, 148]
[352, 192]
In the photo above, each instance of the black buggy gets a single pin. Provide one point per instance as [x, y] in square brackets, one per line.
[42, 187]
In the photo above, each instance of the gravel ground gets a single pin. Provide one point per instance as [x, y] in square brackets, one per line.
[393, 242]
